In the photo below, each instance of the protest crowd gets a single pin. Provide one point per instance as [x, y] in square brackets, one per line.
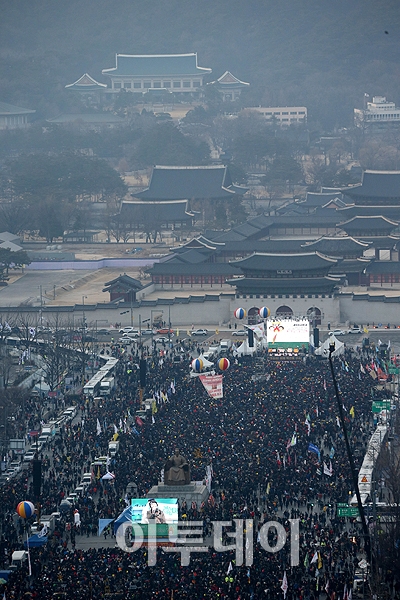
[276, 451]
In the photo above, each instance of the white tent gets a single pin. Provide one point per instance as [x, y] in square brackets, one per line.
[323, 350]
[244, 349]
[206, 363]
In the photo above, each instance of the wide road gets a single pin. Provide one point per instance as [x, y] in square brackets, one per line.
[26, 289]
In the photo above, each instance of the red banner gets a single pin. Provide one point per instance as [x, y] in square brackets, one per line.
[213, 385]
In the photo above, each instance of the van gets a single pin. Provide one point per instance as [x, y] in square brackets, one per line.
[71, 411]
[87, 478]
[212, 351]
[113, 448]
[43, 439]
[224, 346]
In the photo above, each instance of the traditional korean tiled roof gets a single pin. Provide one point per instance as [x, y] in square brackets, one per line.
[383, 266]
[192, 257]
[319, 199]
[312, 285]
[153, 65]
[199, 243]
[285, 246]
[379, 184]
[309, 261]
[324, 218]
[173, 183]
[350, 265]
[227, 80]
[368, 223]
[246, 230]
[10, 109]
[230, 236]
[135, 210]
[86, 83]
[337, 246]
[390, 211]
[124, 280]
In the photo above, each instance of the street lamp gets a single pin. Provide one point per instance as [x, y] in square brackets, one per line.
[83, 311]
[367, 539]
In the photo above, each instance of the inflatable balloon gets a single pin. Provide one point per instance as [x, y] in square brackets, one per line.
[223, 364]
[25, 509]
[264, 312]
[197, 365]
[240, 313]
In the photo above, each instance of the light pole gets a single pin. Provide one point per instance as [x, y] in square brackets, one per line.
[169, 325]
[83, 312]
[367, 539]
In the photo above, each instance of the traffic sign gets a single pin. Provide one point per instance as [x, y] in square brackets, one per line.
[348, 511]
[394, 370]
[379, 405]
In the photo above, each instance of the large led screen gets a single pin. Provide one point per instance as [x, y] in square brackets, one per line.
[162, 512]
[288, 333]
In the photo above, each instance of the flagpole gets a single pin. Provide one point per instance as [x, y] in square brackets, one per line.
[367, 539]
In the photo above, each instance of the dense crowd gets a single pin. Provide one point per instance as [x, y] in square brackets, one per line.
[256, 439]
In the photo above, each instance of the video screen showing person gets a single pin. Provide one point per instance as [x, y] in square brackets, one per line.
[161, 510]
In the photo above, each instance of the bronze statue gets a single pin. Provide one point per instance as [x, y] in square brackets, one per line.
[176, 470]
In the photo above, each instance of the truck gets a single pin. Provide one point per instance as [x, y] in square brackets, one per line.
[224, 346]
[106, 386]
[18, 557]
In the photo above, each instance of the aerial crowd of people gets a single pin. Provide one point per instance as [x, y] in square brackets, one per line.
[274, 447]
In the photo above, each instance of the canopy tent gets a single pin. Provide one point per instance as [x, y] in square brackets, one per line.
[109, 476]
[125, 516]
[244, 349]
[206, 363]
[323, 350]
[35, 541]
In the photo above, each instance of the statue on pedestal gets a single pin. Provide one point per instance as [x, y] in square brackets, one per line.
[176, 470]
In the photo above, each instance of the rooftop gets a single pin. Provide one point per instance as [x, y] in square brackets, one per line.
[138, 65]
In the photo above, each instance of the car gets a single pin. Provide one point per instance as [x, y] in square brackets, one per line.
[10, 473]
[126, 340]
[354, 330]
[127, 330]
[337, 332]
[29, 456]
[135, 333]
[161, 340]
[43, 439]
[103, 332]
[147, 332]
[16, 465]
[165, 331]
[239, 332]
[200, 332]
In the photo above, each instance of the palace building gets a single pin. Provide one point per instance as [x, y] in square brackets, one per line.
[178, 73]
[229, 86]
[14, 117]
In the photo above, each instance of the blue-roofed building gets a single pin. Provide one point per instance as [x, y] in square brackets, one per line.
[178, 73]
[229, 86]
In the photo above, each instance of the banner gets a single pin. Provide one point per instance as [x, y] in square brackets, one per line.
[213, 385]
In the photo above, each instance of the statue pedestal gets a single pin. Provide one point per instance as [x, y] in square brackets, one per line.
[192, 492]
